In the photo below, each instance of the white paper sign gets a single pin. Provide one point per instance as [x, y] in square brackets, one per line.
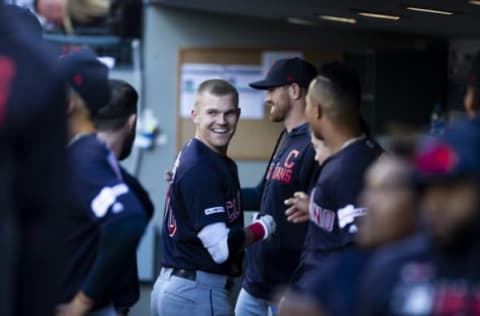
[251, 100]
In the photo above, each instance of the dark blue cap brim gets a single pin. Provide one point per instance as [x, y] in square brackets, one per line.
[266, 84]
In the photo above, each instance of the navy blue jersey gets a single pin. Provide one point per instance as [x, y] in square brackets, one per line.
[333, 202]
[334, 284]
[101, 201]
[271, 262]
[383, 271]
[32, 170]
[204, 190]
[417, 278]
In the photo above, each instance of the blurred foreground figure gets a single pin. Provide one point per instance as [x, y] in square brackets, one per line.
[106, 220]
[32, 171]
[439, 274]
[333, 287]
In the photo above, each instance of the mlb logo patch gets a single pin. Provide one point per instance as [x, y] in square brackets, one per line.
[214, 210]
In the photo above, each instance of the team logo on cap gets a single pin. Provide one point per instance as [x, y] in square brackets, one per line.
[438, 159]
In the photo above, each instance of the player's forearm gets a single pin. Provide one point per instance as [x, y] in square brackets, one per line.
[258, 230]
[249, 238]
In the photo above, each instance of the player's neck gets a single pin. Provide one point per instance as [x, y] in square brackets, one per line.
[79, 125]
[294, 119]
[338, 137]
[113, 141]
[219, 150]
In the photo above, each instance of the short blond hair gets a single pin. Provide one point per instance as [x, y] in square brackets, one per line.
[217, 87]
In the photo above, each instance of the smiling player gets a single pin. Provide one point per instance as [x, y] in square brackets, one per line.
[203, 236]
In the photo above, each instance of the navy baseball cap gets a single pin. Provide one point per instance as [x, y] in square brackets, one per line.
[287, 71]
[88, 77]
[453, 155]
[473, 78]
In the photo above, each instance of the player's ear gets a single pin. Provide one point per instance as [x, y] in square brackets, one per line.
[471, 101]
[318, 111]
[195, 114]
[70, 106]
[132, 121]
[295, 91]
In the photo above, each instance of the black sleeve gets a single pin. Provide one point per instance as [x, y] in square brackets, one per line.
[203, 192]
[251, 197]
[139, 192]
[118, 240]
[308, 169]
[128, 291]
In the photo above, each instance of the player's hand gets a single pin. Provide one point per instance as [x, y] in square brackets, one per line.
[79, 306]
[122, 311]
[268, 224]
[168, 175]
[295, 304]
[298, 208]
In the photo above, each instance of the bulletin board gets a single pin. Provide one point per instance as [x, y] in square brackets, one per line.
[255, 138]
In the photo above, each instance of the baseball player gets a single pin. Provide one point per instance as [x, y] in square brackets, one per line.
[203, 233]
[333, 111]
[270, 263]
[333, 288]
[106, 220]
[437, 274]
[32, 167]
[115, 124]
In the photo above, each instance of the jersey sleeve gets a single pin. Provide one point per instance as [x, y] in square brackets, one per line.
[309, 169]
[103, 193]
[203, 194]
[347, 191]
[117, 244]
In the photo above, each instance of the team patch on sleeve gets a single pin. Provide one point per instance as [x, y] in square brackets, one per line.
[214, 210]
[348, 214]
[108, 197]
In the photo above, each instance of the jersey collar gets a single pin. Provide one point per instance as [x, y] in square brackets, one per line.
[299, 130]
